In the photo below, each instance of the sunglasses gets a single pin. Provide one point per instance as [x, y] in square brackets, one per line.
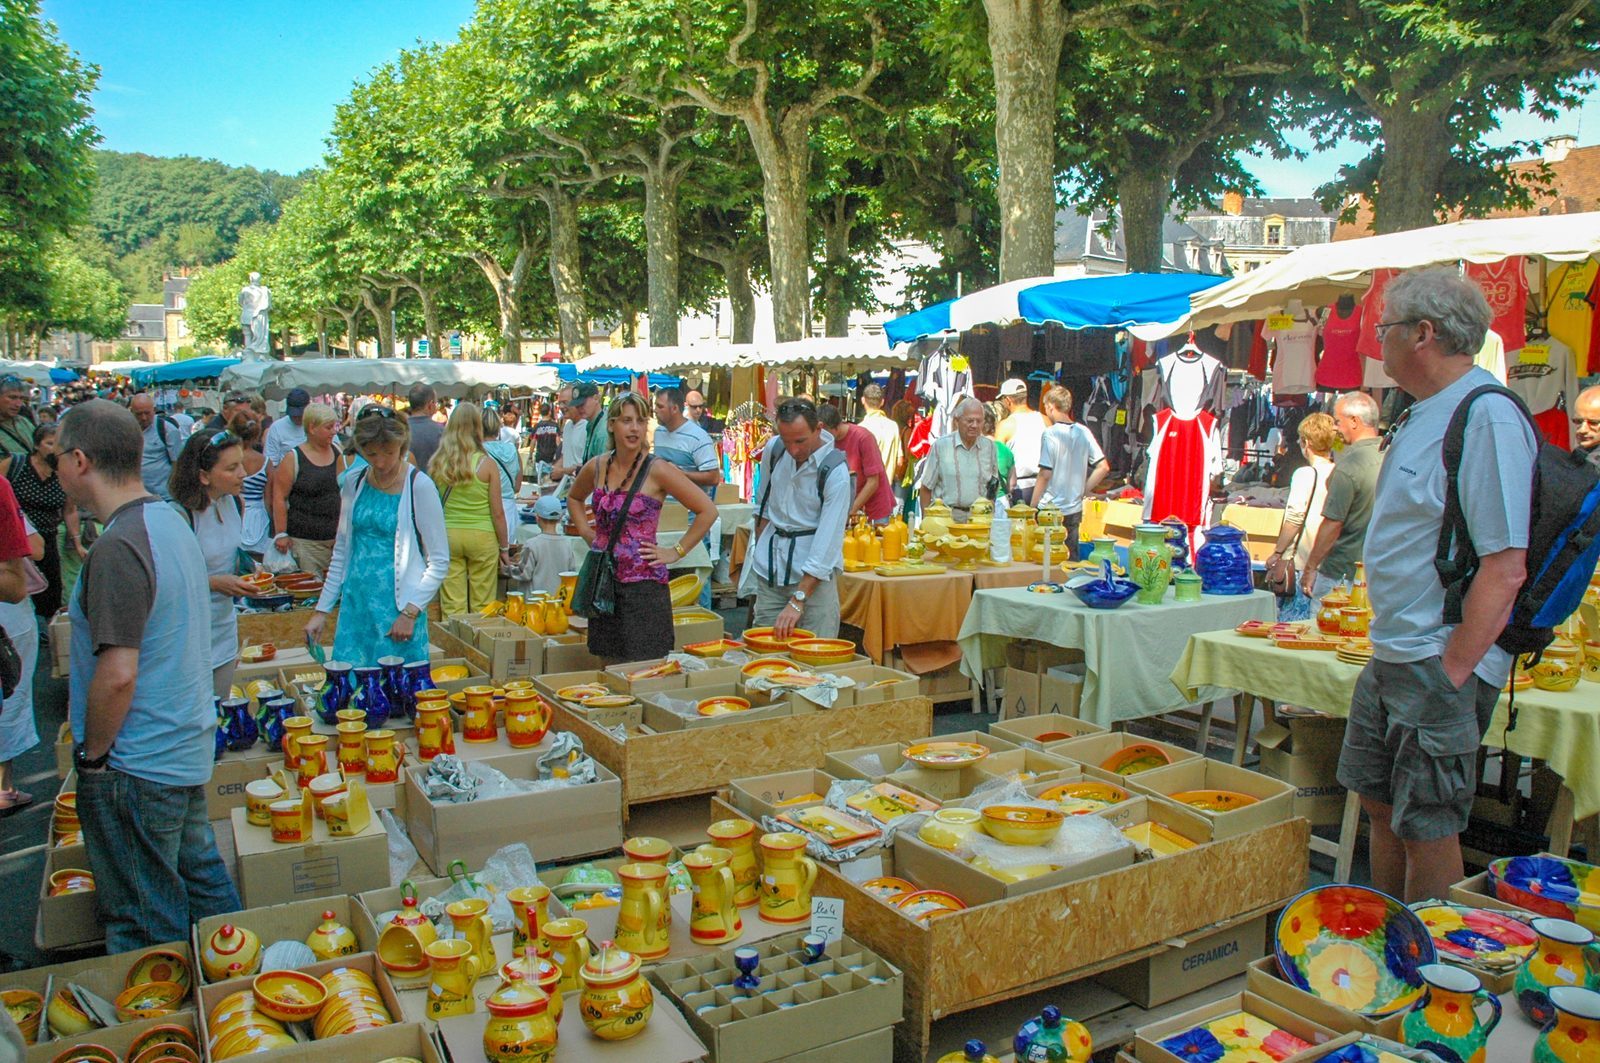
[222, 439]
[696, 406]
[789, 407]
[376, 410]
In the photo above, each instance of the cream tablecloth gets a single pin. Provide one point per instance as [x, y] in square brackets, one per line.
[1129, 653]
[1560, 728]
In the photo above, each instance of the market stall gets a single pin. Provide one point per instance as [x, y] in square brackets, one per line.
[896, 611]
[183, 372]
[449, 379]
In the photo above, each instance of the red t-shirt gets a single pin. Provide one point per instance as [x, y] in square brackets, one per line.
[13, 537]
[865, 460]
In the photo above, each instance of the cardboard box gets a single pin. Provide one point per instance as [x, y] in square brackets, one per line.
[70, 920]
[1093, 750]
[1147, 1050]
[1263, 979]
[1193, 962]
[293, 921]
[570, 653]
[715, 673]
[1044, 767]
[674, 517]
[551, 682]
[235, 771]
[1274, 800]
[1026, 655]
[1140, 808]
[105, 976]
[936, 869]
[666, 1038]
[1019, 694]
[727, 495]
[273, 873]
[874, 684]
[565, 821]
[514, 651]
[1303, 751]
[846, 763]
[1026, 732]
[692, 624]
[1061, 689]
[404, 1040]
[119, 1038]
[874, 1047]
[1118, 519]
[1474, 892]
[1261, 526]
[658, 716]
[770, 795]
[354, 1045]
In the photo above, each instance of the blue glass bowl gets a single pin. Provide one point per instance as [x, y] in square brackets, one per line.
[1094, 592]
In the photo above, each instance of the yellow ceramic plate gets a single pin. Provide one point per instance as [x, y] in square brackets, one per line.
[888, 888]
[1158, 839]
[607, 701]
[1080, 798]
[713, 648]
[831, 825]
[885, 802]
[1214, 800]
[449, 673]
[722, 706]
[945, 756]
[583, 690]
[1141, 756]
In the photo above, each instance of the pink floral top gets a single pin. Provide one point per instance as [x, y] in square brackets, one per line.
[637, 530]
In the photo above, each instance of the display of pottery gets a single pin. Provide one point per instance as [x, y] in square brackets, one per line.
[616, 1001]
[1354, 947]
[520, 1028]
[1051, 1036]
[1223, 562]
[1573, 1034]
[1548, 885]
[1240, 1035]
[1150, 562]
[1480, 937]
[1566, 954]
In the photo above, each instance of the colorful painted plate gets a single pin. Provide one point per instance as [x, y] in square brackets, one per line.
[1363, 1051]
[927, 905]
[1239, 1036]
[722, 706]
[886, 802]
[607, 700]
[1163, 841]
[1131, 760]
[1354, 947]
[1548, 885]
[831, 825]
[1082, 798]
[583, 690]
[1214, 800]
[946, 756]
[1478, 936]
[888, 888]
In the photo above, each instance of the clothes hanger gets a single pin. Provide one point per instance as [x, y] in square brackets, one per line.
[1189, 348]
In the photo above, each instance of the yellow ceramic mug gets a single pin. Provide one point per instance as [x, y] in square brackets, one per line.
[455, 969]
[786, 878]
[351, 716]
[383, 756]
[352, 747]
[644, 918]
[738, 836]
[434, 735]
[530, 908]
[470, 918]
[258, 797]
[643, 850]
[313, 757]
[569, 949]
[294, 728]
[477, 722]
[715, 917]
[526, 719]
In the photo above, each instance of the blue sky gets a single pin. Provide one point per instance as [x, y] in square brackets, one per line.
[256, 83]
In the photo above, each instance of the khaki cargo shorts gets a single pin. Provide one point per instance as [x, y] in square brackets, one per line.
[1412, 743]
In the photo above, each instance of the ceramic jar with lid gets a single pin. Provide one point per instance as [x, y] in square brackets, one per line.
[1186, 586]
[230, 945]
[616, 1002]
[332, 938]
[936, 521]
[1330, 612]
[520, 1028]
[1223, 561]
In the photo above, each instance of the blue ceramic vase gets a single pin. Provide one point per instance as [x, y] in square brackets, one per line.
[1223, 562]
[222, 731]
[371, 698]
[394, 684]
[240, 725]
[273, 712]
[336, 692]
[1178, 539]
[419, 676]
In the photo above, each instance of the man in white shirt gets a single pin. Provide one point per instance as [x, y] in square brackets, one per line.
[1071, 463]
[884, 431]
[800, 520]
[1023, 431]
[574, 436]
[287, 432]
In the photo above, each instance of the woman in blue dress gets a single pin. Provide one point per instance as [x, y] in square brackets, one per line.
[391, 551]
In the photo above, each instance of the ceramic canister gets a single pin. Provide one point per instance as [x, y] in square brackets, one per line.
[520, 1028]
[786, 878]
[530, 909]
[258, 797]
[738, 836]
[644, 918]
[616, 1002]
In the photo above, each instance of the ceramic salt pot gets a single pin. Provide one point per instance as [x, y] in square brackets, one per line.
[616, 1001]
[331, 938]
[230, 945]
[520, 1028]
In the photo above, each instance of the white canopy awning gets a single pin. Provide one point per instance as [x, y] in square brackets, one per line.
[450, 379]
[1320, 273]
[835, 354]
[667, 359]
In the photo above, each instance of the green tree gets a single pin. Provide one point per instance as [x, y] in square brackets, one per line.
[1424, 84]
[83, 297]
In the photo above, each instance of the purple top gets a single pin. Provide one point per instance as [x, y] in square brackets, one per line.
[637, 530]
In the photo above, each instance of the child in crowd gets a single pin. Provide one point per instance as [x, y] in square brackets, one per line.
[545, 556]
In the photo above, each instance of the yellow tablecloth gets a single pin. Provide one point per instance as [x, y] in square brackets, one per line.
[1128, 652]
[1561, 729]
[903, 610]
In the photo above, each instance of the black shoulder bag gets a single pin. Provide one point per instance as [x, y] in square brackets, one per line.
[596, 592]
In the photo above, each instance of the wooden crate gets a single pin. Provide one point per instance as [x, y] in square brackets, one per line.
[1024, 944]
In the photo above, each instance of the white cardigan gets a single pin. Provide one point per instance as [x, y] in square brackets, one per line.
[419, 567]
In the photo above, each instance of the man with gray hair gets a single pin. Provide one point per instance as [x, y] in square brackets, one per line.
[1348, 505]
[1586, 423]
[963, 466]
[1423, 703]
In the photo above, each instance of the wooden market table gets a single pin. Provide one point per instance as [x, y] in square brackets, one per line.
[1561, 728]
[894, 611]
[1129, 652]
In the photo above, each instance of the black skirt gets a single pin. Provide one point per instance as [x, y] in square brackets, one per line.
[641, 627]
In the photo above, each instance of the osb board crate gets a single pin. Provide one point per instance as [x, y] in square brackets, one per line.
[1094, 924]
[679, 763]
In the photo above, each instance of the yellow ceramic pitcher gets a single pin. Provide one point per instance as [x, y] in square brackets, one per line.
[569, 949]
[470, 917]
[786, 878]
[383, 756]
[352, 747]
[530, 908]
[644, 918]
[477, 723]
[434, 735]
[738, 836]
[555, 617]
[312, 759]
[527, 722]
[455, 968]
[294, 728]
[715, 918]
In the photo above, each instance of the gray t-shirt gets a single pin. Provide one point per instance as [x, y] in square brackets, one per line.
[163, 442]
[1068, 451]
[1496, 481]
[425, 436]
[1351, 488]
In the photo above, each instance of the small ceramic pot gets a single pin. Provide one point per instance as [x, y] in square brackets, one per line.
[616, 1002]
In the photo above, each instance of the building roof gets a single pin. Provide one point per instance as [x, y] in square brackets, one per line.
[173, 286]
[146, 321]
[1082, 237]
[1261, 207]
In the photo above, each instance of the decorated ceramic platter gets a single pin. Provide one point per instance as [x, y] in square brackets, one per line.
[831, 825]
[1354, 947]
[1547, 885]
[946, 756]
[927, 905]
[1239, 1036]
[1131, 760]
[886, 802]
[1082, 798]
[1477, 936]
[888, 888]
[159, 965]
[1163, 841]
[607, 700]
[1214, 800]
[583, 690]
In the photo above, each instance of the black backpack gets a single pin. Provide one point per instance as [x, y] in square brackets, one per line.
[1563, 536]
[769, 457]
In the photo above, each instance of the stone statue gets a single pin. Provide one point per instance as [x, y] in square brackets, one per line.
[255, 300]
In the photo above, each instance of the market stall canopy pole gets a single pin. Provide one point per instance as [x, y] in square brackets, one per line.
[1320, 273]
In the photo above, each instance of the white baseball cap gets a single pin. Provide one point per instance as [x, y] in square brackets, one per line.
[1013, 387]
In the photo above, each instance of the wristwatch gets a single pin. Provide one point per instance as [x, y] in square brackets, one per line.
[85, 763]
[799, 596]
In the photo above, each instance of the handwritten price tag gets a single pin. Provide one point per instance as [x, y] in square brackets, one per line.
[827, 917]
[1535, 354]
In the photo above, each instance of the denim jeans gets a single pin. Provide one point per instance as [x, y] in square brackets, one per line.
[155, 862]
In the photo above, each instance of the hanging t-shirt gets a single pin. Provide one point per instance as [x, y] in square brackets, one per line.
[1340, 366]
[1294, 357]
[1543, 376]
[1188, 383]
[1574, 292]
[1492, 355]
[1505, 285]
[1372, 313]
[941, 382]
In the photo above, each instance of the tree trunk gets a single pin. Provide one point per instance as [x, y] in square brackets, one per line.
[837, 224]
[741, 297]
[383, 314]
[1416, 149]
[662, 253]
[430, 320]
[566, 273]
[351, 318]
[1142, 196]
[785, 158]
[288, 338]
[322, 333]
[1025, 39]
[507, 288]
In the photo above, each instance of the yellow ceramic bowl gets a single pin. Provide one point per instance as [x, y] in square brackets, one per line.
[345, 977]
[945, 756]
[761, 640]
[763, 666]
[1213, 800]
[240, 1000]
[70, 880]
[1022, 824]
[289, 996]
[87, 1053]
[722, 706]
[448, 673]
[148, 999]
[1081, 798]
[946, 828]
[25, 1008]
[1131, 760]
[174, 1041]
[821, 651]
[927, 905]
[160, 965]
[249, 1041]
[65, 1017]
[237, 1020]
[713, 648]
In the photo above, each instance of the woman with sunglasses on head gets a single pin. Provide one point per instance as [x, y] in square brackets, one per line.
[391, 550]
[640, 627]
[505, 456]
[205, 484]
[303, 490]
[43, 501]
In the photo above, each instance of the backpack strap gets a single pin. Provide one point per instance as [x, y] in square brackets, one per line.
[768, 459]
[411, 481]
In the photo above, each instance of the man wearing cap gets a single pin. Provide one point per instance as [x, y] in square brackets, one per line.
[1022, 431]
[287, 432]
[586, 397]
[16, 427]
[574, 436]
[425, 431]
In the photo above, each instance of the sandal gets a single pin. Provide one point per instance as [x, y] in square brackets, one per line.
[14, 801]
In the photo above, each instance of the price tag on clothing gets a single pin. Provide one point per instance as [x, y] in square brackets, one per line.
[1535, 354]
[827, 917]
[1280, 322]
[1122, 416]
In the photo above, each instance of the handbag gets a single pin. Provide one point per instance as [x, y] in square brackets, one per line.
[1285, 588]
[596, 591]
[10, 665]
